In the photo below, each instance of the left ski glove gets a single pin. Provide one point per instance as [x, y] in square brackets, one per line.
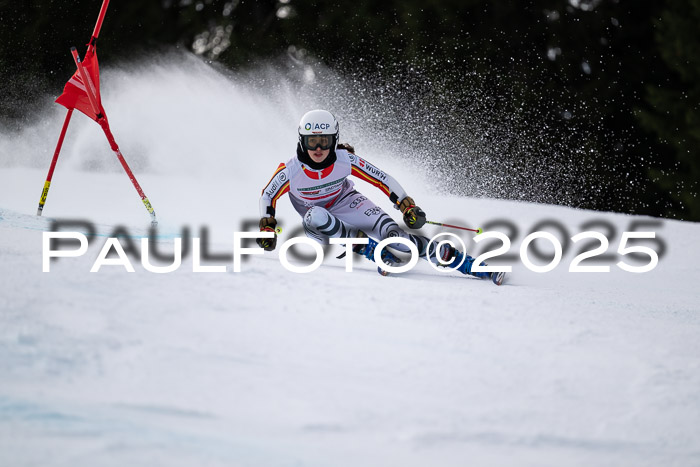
[413, 216]
[267, 224]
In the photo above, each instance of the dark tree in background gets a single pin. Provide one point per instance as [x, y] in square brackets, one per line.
[621, 76]
[36, 35]
[673, 112]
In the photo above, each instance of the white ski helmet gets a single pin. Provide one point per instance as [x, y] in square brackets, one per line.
[318, 128]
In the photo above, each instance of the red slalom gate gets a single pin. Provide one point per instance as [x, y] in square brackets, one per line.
[82, 92]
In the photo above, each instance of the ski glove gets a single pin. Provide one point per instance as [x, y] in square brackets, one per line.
[267, 224]
[413, 216]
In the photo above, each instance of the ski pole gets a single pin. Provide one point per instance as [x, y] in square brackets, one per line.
[478, 230]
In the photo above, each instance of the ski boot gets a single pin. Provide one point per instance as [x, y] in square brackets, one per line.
[450, 255]
[368, 252]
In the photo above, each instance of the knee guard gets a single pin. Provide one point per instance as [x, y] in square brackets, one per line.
[319, 221]
[316, 217]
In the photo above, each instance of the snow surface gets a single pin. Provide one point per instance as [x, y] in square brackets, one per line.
[270, 368]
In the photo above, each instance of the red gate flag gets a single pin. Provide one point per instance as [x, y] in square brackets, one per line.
[82, 92]
[74, 93]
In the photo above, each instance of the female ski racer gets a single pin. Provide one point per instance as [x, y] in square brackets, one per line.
[321, 192]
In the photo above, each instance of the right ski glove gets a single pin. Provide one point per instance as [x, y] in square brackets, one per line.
[413, 216]
[267, 224]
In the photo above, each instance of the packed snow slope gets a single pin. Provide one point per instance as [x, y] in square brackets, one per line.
[266, 367]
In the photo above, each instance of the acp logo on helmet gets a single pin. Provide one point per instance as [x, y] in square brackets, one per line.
[316, 126]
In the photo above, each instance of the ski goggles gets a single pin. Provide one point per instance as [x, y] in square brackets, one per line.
[314, 141]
